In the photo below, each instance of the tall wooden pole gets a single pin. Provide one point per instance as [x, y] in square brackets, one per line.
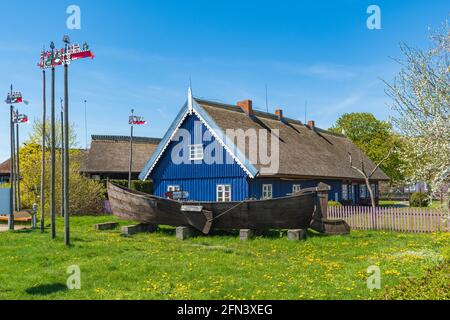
[13, 162]
[18, 166]
[131, 150]
[52, 152]
[85, 124]
[66, 154]
[44, 115]
[11, 174]
[62, 159]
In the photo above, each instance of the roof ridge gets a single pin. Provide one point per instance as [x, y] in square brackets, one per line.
[264, 114]
[124, 138]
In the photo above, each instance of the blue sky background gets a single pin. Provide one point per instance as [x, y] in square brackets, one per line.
[146, 51]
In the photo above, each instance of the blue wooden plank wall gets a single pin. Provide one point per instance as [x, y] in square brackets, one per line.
[197, 177]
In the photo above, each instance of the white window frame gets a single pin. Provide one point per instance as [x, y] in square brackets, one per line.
[267, 191]
[345, 192]
[173, 188]
[363, 191]
[296, 188]
[196, 152]
[223, 193]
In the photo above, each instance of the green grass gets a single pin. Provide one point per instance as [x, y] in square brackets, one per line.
[157, 266]
[390, 203]
[435, 284]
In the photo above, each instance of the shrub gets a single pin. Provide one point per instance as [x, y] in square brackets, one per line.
[85, 196]
[334, 204]
[419, 200]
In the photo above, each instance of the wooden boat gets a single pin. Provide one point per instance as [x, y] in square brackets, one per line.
[299, 211]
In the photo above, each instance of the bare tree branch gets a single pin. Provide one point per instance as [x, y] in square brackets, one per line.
[356, 168]
[381, 162]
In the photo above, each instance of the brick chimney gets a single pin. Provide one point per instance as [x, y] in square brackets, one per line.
[247, 107]
[279, 114]
[311, 124]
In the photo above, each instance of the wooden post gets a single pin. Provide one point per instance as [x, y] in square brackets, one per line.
[19, 207]
[13, 162]
[44, 115]
[53, 154]
[131, 150]
[66, 155]
[323, 191]
[11, 171]
[62, 159]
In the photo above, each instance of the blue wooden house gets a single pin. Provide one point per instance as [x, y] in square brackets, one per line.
[307, 156]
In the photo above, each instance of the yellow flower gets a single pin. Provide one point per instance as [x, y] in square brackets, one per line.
[392, 273]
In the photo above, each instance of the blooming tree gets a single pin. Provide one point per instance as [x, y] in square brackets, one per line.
[420, 95]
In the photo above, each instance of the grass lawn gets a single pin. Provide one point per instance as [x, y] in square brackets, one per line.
[157, 266]
[405, 204]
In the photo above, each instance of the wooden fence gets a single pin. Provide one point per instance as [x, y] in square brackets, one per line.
[414, 220]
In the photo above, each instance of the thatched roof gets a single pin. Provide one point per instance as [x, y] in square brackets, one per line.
[110, 154]
[5, 167]
[304, 151]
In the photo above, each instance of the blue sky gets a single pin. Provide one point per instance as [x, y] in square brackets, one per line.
[146, 51]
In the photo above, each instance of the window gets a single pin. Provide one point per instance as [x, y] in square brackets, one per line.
[375, 191]
[345, 192]
[363, 191]
[267, 191]
[195, 152]
[296, 188]
[173, 188]
[223, 193]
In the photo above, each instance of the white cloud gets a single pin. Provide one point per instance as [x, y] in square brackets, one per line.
[330, 72]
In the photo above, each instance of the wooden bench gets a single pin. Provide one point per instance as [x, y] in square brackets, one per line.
[22, 216]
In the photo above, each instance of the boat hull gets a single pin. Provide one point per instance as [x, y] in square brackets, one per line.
[294, 212]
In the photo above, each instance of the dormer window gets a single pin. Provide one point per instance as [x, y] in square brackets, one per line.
[196, 152]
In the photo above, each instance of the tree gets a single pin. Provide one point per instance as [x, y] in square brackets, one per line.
[36, 134]
[366, 175]
[420, 96]
[85, 195]
[376, 139]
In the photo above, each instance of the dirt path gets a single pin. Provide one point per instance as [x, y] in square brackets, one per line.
[4, 227]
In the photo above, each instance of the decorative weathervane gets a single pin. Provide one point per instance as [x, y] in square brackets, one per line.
[137, 121]
[14, 98]
[49, 59]
[133, 121]
[20, 118]
[53, 58]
